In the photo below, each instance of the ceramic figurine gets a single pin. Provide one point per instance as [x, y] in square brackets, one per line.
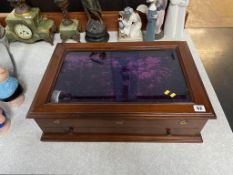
[161, 10]
[152, 16]
[10, 89]
[175, 20]
[96, 30]
[25, 24]
[4, 122]
[69, 28]
[130, 25]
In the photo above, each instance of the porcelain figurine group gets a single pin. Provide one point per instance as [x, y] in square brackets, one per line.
[155, 15]
[130, 25]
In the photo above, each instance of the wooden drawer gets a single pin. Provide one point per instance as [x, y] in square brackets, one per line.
[184, 131]
[133, 131]
[141, 131]
[118, 123]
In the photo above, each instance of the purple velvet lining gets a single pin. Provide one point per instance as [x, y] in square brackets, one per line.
[121, 76]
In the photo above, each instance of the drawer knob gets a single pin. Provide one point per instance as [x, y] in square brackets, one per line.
[56, 122]
[119, 122]
[183, 122]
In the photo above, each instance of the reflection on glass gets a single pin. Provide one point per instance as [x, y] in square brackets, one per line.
[121, 76]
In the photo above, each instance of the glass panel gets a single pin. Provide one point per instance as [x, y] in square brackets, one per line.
[121, 76]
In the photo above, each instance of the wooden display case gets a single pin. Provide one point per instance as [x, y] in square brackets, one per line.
[147, 91]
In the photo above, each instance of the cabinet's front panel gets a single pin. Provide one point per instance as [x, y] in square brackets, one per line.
[120, 123]
[132, 131]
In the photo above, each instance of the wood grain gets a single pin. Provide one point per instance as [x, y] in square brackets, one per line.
[210, 13]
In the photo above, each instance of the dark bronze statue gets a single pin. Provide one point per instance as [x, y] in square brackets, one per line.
[92, 9]
[20, 6]
[96, 30]
[69, 28]
[63, 5]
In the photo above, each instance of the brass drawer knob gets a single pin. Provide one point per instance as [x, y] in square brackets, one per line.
[56, 122]
[119, 122]
[183, 122]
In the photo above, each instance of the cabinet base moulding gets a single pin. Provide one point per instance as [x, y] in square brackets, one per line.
[54, 137]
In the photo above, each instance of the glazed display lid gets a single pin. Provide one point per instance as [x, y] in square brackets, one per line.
[139, 76]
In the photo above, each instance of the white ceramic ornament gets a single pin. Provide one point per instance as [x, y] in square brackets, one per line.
[175, 20]
[130, 25]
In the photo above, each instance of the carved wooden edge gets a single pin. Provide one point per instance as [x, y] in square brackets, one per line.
[110, 18]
